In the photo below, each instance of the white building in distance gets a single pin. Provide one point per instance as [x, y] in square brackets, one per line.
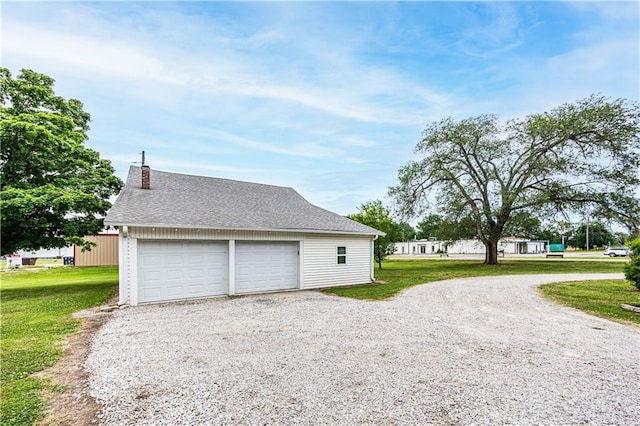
[507, 245]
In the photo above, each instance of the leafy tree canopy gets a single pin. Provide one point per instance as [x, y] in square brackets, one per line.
[576, 157]
[599, 236]
[402, 231]
[54, 189]
[375, 215]
[436, 227]
[429, 226]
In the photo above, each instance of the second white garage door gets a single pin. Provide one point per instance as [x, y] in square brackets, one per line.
[266, 266]
[171, 270]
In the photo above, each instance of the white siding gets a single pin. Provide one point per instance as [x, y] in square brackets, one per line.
[321, 268]
[210, 234]
[317, 266]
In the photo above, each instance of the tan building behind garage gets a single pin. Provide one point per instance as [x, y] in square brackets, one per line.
[105, 253]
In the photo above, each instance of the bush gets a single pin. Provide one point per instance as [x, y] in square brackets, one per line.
[632, 269]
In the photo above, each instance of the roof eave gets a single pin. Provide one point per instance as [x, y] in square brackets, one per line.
[306, 231]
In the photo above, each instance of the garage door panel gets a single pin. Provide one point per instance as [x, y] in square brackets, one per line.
[176, 290]
[195, 289]
[151, 294]
[266, 266]
[171, 270]
[175, 274]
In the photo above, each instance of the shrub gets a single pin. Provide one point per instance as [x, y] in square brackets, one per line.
[632, 269]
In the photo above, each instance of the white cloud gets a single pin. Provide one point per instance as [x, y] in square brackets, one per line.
[102, 56]
[302, 149]
[281, 91]
[161, 161]
[229, 66]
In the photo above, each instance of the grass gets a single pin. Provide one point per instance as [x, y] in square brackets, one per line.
[601, 298]
[36, 316]
[402, 274]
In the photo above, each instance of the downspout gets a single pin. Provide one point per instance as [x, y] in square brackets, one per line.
[123, 266]
[373, 257]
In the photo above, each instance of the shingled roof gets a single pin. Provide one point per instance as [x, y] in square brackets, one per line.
[187, 201]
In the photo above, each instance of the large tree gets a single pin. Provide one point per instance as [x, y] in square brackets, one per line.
[577, 157]
[451, 228]
[402, 231]
[54, 189]
[429, 226]
[596, 233]
[375, 215]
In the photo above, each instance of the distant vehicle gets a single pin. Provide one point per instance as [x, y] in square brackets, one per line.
[617, 251]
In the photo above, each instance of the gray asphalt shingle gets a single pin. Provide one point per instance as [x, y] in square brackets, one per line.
[197, 201]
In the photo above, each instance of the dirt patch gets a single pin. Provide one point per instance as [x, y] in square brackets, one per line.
[73, 405]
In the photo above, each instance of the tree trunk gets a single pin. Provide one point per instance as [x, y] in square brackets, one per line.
[379, 254]
[491, 252]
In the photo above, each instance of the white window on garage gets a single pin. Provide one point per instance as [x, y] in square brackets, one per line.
[342, 255]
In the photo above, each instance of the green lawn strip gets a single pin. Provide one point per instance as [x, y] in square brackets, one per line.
[601, 298]
[401, 274]
[36, 316]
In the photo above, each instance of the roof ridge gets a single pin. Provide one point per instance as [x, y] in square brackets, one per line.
[213, 177]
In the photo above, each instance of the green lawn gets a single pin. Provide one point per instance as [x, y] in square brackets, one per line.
[601, 298]
[401, 274]
[36, 316]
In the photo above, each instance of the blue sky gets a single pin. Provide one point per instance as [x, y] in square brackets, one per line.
[327, 97]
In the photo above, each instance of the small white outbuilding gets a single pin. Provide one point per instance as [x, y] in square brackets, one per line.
[184, 236]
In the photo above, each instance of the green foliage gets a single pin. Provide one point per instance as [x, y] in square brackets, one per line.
[429, 226]
[632, 269]
[402, 232]
[375, 215]
[36, 317]
[402, 274]
[524, 225]
[600, 297]
[620, 238]
[54, 189]
[575, 157]
[599, 236]
[437, 227]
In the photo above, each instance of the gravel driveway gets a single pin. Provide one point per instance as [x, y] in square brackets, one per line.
[481, 351]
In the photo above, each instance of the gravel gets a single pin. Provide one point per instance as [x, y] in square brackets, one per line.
[478, 351]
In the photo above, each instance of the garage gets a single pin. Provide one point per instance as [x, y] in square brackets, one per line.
[170, 270]
[183, 236]
[266, 266]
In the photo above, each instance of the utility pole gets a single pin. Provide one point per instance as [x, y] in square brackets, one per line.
[587, 233]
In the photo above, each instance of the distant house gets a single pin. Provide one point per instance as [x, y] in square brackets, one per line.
[184, 236]
[47, 253]
[472, 246]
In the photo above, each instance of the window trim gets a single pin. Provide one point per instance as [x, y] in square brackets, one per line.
[341, 256]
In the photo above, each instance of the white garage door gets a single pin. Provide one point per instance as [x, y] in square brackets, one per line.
[265, 266]
[172, 270]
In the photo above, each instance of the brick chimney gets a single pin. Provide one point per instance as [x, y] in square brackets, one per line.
[146, 179]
